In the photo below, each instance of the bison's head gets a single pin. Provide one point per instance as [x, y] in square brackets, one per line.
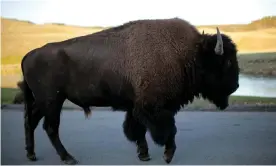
[220, 74]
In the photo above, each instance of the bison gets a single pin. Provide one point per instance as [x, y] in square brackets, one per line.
[147, 68]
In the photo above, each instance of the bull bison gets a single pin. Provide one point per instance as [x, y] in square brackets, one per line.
[147, 68]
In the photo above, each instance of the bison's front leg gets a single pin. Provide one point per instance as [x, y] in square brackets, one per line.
[170, 146]
[135, 132]
[142, 150]
[163, 131]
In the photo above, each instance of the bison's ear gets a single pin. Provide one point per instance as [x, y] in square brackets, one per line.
[219, 45]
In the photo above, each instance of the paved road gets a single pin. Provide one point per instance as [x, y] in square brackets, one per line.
[203, 138]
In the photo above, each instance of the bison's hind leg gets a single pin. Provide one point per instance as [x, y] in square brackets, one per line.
[51, 104]
[36, 116]
[136, 132]
[32, 116]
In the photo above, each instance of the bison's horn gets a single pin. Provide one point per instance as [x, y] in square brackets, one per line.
[203, 32]
[219, 45]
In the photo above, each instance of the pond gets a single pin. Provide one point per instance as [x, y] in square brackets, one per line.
[256, 86]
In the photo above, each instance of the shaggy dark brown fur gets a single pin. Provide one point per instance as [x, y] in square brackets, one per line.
[148, 68]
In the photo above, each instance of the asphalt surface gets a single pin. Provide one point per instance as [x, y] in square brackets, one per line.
[202, 138]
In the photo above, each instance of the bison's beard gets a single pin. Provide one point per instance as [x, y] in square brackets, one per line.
[221, 102]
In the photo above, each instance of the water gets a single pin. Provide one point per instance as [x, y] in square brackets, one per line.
[256, 86]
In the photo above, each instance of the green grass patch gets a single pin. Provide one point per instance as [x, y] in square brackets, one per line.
[8, 94]
[258, 64]
[252, 100]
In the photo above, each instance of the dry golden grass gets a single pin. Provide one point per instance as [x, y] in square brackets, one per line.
[251, 41]
[19, 37]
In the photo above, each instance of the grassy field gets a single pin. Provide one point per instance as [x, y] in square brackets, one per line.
[19, 37]
[255, 42]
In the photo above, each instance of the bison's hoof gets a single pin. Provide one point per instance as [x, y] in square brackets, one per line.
[144, 156]
[167, 158]
[31, 156]
[70, 161]
[168, 155]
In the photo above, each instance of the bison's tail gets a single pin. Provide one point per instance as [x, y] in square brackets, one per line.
[27, 93]
[28, 99]
[19, 96]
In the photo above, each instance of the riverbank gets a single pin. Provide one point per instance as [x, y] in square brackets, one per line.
[8, 94]
[238, 102]
[258, 64]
